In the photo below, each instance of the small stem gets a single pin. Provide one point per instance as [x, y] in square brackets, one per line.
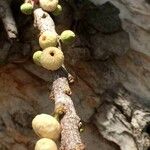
[56, 116]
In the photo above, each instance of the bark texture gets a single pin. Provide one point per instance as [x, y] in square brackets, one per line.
[70, 136]
[43, 21]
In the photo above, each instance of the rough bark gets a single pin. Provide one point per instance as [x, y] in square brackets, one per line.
[70, 136]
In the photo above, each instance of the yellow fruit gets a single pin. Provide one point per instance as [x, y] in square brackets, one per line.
[37, 57]
[46, 126]
[52, 58]
[45, 144]
[48, 5]
[26, 8]
[57, 11]
[47, 39]
[67, 36]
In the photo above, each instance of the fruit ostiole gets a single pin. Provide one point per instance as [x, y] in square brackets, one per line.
[52, 58]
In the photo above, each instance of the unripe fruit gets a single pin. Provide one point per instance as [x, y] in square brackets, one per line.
[57, 11]
[37, 57]
[45, 144]
[47, 39]
[48, 5]
[52, 58]
[46, 126]
[26, 8]
[67, 36]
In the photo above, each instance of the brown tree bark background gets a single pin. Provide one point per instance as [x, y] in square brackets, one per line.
[111, 92]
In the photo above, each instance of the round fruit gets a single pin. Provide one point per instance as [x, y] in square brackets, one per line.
[45, 144]
[67, 36]
[37, 57]
[52, 58]
[48, 5]
[57, 11]
[26, 8]
[46, 126]
[47, 39]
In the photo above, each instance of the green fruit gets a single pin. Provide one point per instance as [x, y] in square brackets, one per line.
[37, 57]
[26, 8]
[57, 11]
[67, 36]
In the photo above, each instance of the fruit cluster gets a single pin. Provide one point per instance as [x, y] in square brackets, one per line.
[47, 5]
[51, 58]
[48, 129]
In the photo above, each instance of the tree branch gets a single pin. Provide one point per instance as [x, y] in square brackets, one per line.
[70, 136]
[43, 21]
